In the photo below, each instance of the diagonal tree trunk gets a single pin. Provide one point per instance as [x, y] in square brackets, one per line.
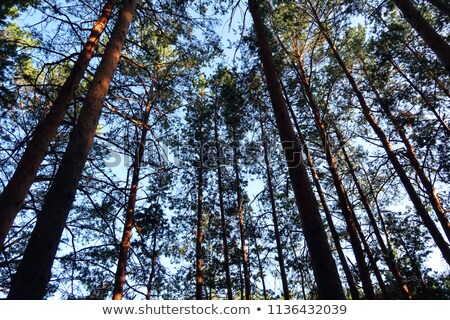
[423, 96]
[387, 253]
[324, 267]
[13, 195]
[414, 196]
[344, 203]
[34, 272]
[425, 30]
[431, 192]
[315, 176]
[442, 5]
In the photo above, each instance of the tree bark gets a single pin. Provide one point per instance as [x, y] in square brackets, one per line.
[323, 264]
[431, 192]
[240, 213]
[344, 204]
[34, 272]
[387, 254]
[153, 266]
[13, 195]
[223, 222]
[425, 30]
[260, 265]
[415, 198]
[334, 234]
[276, 227]
[423, 96]
[131, 206]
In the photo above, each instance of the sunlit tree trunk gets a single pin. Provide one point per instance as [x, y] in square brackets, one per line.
[414, 196]
[13, 195]
[223, 223]
[425, 30]
[119, 281]
[324, 267]
[34, 271]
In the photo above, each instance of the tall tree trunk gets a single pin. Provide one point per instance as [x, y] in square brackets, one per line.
[241, 278]
[415, 267]
[415, 198]
[153, 266]
[34, 272]
[425, 30]
[368, 250]
[240, 213]
[120, 275]
[276, 227]
[223, 223]
[260, 265]
[344, 203]
[13, 195]
[423, 96]
[442, 5]
[315, 176]
[431, 192]
[199, 238]
[387, 254]
[324, 267]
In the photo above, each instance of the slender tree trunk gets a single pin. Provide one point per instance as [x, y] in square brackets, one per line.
[423, 96]
[248, 295]
[199, 239]
[34, 272]
[241, 278]
[131, 206]
[153, 266]
[425, 30]
[433, 196]
[223, 223]
[344, 203]
[13, 195]
[334, 234]
[415, 198]
[420, 58]
[324, 267]
[387, 254]
[276, 227]
[415, 267]
[260, 265]
[368, 250]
